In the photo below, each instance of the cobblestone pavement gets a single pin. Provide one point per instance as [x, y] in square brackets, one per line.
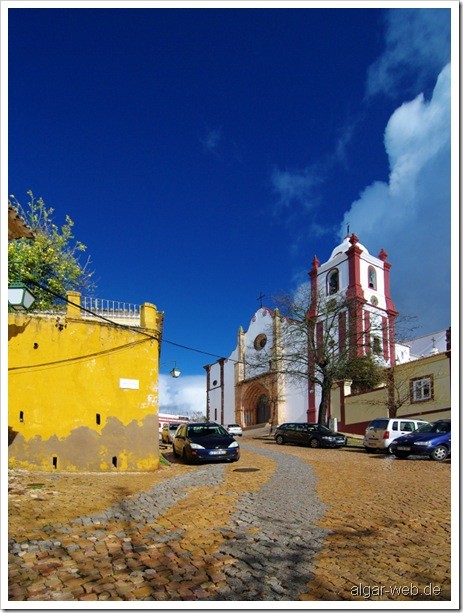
[282, 524]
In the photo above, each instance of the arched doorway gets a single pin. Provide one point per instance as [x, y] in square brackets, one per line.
[256, 405]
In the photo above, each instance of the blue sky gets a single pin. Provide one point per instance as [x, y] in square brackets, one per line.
[207, 154]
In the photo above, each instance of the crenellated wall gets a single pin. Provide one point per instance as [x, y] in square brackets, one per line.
[83, 394]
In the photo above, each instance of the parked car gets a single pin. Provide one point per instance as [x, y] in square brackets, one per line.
[382, 431]
[204, 442]
[313, 435]
[168, 431]
[431, 439]
[235, 429]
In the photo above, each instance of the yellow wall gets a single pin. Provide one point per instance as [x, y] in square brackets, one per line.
[438, 366]
[361, 408]
[62, 374]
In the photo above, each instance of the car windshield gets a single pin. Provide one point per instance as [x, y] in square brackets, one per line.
[439, 426]
[201, 431]
[233, 426]
[323, 429]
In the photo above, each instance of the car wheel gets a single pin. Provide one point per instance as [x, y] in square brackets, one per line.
[401, 455]
[439, 453]
[279, 440]
[174, 452]
[314, 443]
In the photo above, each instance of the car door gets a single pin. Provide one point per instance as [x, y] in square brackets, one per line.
[290, 433]
[406, 427]
[300, 434]
[179, 439]
[309, 432]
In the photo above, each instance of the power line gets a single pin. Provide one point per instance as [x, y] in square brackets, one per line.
[116, 324]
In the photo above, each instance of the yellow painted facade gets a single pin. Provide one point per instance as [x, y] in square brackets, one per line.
[354, 411]
[83, 393]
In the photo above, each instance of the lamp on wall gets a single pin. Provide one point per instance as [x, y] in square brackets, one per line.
[19, 297]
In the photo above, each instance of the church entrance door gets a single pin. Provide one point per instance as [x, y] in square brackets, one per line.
[263, 409]
[255, 404]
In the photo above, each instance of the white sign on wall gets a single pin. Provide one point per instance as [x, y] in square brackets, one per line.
[129, 384]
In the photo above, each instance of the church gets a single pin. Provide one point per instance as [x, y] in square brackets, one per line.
[249, 388]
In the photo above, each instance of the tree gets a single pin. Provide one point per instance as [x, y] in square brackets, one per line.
[320, 343]
[51, 259]
[365, 372]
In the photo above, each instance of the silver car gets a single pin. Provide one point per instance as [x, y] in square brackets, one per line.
[382, 431]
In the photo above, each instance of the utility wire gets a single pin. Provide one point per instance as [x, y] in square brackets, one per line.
[116, 324]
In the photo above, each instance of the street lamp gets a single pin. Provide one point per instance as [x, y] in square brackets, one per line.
[19, 297]
[175, 372]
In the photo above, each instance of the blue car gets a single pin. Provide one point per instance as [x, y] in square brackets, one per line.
[431, 439]
[204, 442]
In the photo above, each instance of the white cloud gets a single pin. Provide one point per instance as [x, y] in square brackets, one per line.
[298, 190]
[410, 215]
[417, 46]
[340, 152]
[183, 395]
[295, 187]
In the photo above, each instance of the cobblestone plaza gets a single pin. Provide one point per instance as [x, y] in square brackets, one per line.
[283, 524]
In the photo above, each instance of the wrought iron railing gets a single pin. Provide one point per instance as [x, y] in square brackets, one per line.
[111, 309]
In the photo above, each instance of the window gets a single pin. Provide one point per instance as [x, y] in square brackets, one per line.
[333, 281]
[395, 426]
[377, 349]
[260, 342]
[378, 423]
[406, 426]
[422, 389]
[371, 277]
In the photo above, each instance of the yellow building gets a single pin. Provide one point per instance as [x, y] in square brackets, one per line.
[419, 389]
[83, 392]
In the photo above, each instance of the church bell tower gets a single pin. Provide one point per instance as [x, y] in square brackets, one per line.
[362, 280]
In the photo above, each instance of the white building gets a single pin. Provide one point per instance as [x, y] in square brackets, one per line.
[238, 393]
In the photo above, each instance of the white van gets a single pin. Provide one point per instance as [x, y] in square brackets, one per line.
[382, 431]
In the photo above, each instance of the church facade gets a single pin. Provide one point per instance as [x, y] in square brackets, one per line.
[249, 388]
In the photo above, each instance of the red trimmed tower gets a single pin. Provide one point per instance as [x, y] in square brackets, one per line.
[356, 298]
[368, 321]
